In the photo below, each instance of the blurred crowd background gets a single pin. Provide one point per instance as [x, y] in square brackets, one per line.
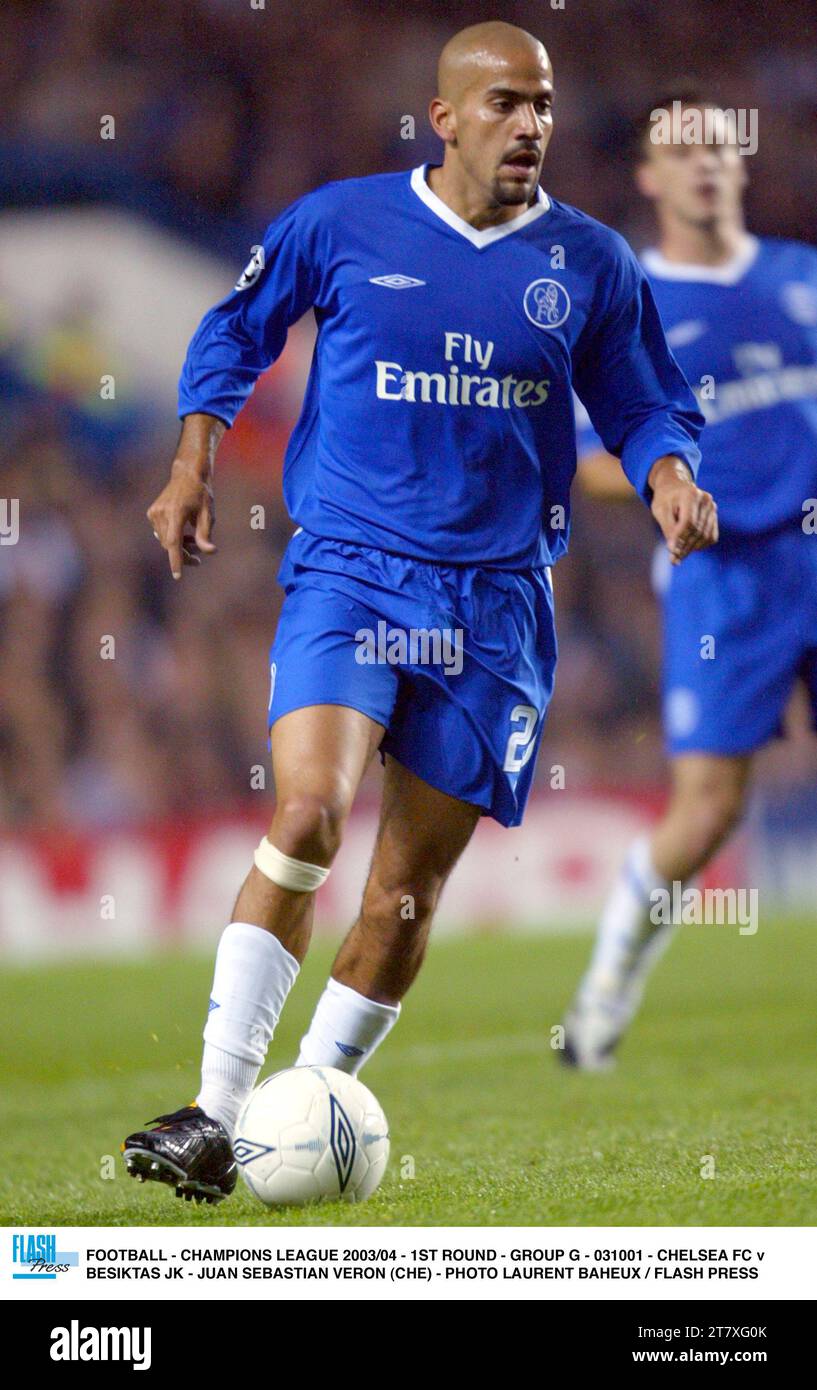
[223, 114]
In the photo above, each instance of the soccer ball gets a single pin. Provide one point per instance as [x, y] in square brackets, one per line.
[310, 1134]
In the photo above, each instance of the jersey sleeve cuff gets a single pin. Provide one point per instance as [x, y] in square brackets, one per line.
[639, 455]
[217, 410]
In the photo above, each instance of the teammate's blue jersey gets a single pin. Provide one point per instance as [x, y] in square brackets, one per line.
[745, 335]
[438, 418]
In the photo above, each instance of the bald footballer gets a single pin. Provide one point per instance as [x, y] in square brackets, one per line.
[428, 478]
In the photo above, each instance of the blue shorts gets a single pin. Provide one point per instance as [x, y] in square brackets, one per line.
[740, 627]
[456, 663]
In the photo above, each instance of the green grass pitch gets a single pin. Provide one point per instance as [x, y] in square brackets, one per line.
[720, 1063]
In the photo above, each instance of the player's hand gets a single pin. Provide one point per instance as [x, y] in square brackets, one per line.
[183, 517]
[687, 515]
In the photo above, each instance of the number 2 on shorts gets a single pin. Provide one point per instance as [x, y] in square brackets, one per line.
[520, 743]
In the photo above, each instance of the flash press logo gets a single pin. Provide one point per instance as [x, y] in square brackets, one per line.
[37, 1257]
[75, 1343]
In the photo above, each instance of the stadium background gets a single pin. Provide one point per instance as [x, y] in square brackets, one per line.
[129, 795]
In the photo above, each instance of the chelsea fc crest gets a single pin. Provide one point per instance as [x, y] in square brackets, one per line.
[546, 303]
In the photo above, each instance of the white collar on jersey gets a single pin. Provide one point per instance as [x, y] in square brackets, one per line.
[727, 274]
[487, 235]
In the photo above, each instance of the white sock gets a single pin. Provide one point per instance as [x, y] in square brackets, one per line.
[253, 976]
[346, 1028]
[628, 944]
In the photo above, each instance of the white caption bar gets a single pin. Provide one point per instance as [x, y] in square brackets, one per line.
[481, 1263]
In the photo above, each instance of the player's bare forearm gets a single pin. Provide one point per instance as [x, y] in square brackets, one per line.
[199, 440]
[687, 515]
[183, 515]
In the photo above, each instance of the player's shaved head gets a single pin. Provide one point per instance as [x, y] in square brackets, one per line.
[476, 52]
[493, 110]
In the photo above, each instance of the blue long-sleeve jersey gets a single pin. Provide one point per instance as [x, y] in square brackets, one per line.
[438, 416]
[746, 337]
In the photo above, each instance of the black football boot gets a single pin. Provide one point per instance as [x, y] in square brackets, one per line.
[188, 1150]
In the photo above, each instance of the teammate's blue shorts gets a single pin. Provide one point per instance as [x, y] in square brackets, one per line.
[740, 627]
[457, 663]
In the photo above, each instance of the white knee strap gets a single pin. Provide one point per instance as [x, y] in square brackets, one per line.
[288, 873]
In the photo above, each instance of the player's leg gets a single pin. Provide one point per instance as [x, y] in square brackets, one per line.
[319, 755]
[327, 713]
[707, 800]
[421, 835]
[730, 662]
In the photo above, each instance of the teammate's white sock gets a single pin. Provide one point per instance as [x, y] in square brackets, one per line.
[628, 944]
[346, 1028]
[253, 976]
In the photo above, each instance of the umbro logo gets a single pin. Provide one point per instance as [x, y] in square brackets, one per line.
[395, 282]
[687, 332]
[245, 1150]
[341, 1141]
[349, 1050]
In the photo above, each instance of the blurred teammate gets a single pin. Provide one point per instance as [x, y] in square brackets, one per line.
[740, 622]
[429, 477]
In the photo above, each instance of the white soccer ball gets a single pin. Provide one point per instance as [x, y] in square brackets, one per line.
[310, 1134]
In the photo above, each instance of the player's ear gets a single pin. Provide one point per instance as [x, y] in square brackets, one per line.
[443, 121]
[645, 180]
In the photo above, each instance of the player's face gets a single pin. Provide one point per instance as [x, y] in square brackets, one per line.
[503, 126]
[701, 184]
